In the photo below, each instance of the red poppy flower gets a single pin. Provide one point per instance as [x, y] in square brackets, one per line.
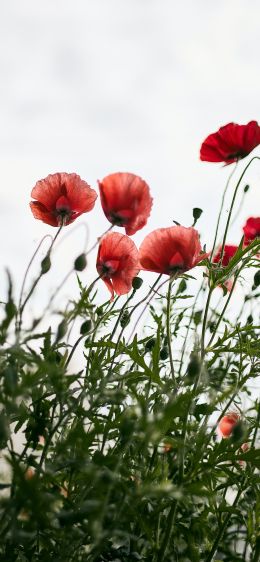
[229, 252]
[171, 250]
[230, 143]
[227, 424]
[117, 262]
[61, 198]
[252, 229]
[126, 201]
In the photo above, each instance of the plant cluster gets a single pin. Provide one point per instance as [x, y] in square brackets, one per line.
[145, 448]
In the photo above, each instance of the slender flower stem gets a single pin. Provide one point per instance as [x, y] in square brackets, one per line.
[168, 532]
[224, 526]
[35, 283]
[204, 323]
[99, 240]
[232, 204]
[168, 318]
[152, 290]
[221, 209]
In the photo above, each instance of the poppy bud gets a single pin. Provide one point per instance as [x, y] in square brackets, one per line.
[137, 283]
[125, 319]
[257, 279]
[164, 354]
[80, 262]
[45, 264]
[194, 366]
[10, 379]
[85, 327]
[196, 212]
[197, 317]
[150, 344]
[62, 329]
[4, 430]
[238, 432]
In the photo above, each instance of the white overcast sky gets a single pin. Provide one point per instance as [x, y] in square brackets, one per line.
[99, 86]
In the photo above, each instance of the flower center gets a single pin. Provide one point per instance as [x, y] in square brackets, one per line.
[63, 209]
[176, 264]
[121, 217]
[108, 268]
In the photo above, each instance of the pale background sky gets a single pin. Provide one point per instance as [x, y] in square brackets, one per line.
[99, 86]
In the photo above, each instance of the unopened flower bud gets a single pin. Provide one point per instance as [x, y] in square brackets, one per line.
[80, 262]
[150, 344]
[164, 353]
[62, 329]
[257, 279]
[85, 327]
[196, 214]
[194, 366]
[238, 432]
[137, 283]
[45, 264]
[125, 319]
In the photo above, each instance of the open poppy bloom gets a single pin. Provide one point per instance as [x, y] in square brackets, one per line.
[252, 229]
[230, 143]
[172, 250]
[61, 198]
[229, 252]
[117, 262]
[227, 424]
[126, 201]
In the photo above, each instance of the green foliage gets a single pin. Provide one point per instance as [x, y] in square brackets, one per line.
[114, 455]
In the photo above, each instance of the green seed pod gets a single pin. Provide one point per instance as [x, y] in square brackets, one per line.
[61, 331]
[4, 430]
[125, 319]
[45, 264]
[85, 327]
[10, 379]
[137, 283]
[194, 366]
[196, 214]
[239, 431]
[80, 262]
[164, 353]
[150, 344]
[257, 279]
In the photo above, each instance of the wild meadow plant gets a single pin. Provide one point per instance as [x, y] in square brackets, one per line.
[146, 447]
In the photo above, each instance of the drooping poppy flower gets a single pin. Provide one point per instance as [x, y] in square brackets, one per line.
[252, 229]
[230, 143]
[61, 198]
[171, 250]
[126, 201]
[117, 262]
[227, 424]
[229, 252]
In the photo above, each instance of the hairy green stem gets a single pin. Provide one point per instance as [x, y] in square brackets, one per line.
[168, 317]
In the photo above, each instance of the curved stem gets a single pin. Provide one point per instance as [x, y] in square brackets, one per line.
[232, 204]
[99, 240]
[221, 209]
[168, 327]
[204, 324]
[143, 300]
[35, 283]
